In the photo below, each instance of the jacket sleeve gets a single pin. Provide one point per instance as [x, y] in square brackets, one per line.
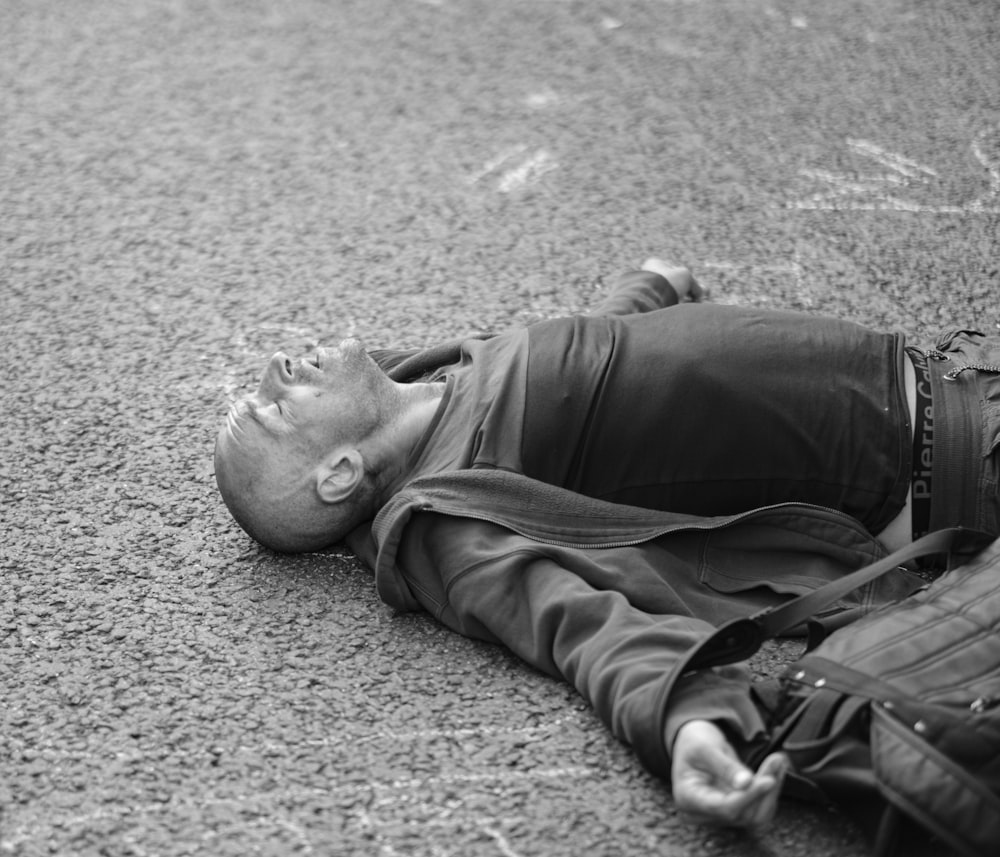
[637, 291]
[486, 582]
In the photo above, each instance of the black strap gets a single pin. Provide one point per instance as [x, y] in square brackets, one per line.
[741, 638]
[778, 619]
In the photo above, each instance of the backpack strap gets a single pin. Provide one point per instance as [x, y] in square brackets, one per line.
[774, 621]
[739, 639]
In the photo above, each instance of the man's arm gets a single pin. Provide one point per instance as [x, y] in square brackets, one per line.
[657, 285]
[492, 584]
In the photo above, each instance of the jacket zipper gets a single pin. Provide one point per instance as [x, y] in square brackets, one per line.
[521, 531]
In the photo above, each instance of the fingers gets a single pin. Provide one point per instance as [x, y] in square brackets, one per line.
[752, 808]
[760, 812]
[683, 282]
[698, 291]
[774, 765]
[712, 785]
[660, 266]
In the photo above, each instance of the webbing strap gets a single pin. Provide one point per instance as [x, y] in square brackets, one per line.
[741, 638]
[778, 619]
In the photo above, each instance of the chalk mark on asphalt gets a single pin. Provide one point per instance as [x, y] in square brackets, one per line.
[522, 172]
[990, 159]
[496, 162]
[540, 100]
[788, 268]
[487, 826]
[744, 270]
[459, 732]
[262, 821]
[250, 341]
[52, 755]
[528, 172]
[906, 167]
[501, 842]
[851, 192]
[27, 832]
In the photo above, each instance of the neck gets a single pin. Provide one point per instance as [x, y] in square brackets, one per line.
[419, 402]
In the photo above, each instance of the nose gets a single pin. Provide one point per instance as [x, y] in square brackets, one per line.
[277, 375]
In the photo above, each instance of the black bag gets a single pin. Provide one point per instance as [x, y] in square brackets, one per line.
[895, 718]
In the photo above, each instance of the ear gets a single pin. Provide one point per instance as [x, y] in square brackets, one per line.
[339, 475]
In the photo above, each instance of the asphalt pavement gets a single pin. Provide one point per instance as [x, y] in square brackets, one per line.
[186, 187]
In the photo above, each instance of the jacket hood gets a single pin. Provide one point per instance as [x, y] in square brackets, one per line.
[555, 516]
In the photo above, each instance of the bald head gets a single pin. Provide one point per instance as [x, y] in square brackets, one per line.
[322, 441]
[269, 485]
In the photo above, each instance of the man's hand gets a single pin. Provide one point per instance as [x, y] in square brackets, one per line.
[684, 283]
[714, 786]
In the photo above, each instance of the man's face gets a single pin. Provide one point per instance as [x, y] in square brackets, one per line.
[268, 451]
[312, 404]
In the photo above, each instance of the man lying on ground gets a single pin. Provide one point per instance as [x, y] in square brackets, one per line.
[597, 492]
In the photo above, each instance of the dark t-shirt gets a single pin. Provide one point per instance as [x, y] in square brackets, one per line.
[481, 415]
[698, 408]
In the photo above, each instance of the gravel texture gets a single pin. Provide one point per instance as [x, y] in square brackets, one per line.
[186, 187]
